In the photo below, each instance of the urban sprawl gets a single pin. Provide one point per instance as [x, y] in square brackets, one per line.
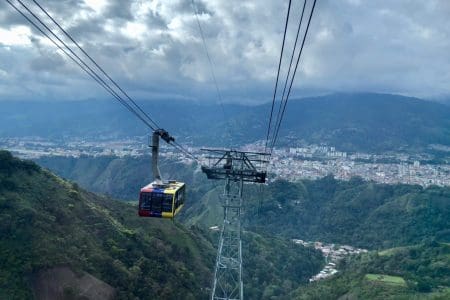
[292, 164]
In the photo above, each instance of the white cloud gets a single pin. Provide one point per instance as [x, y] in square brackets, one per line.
[15, 36]
[3, 74]
[97, 5]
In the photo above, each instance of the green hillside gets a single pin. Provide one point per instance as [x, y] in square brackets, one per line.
[274, 268]
[414, 272]
[355, 212]
[119, 177]
[123, 177]
[47, 222]
[359, 213]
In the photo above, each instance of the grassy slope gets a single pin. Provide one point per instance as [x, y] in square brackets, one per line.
[274, 268]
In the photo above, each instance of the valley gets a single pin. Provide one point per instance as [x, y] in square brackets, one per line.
[48, 224]
[377, 217]
[368, 196]
[224, 150]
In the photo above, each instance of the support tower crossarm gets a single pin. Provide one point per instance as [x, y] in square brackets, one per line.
[235, 168]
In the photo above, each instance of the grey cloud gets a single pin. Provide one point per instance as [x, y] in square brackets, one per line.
[155, 21]
[382, 46]
[87, 30]
[48, 63]
[119, 9]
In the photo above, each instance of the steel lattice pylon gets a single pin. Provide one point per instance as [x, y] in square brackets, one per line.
[235, 167]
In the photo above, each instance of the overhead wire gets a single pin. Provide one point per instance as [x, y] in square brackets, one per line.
[278, 120]
[278, 75]
[182, 149]
[144, 117]
[211, 67]
[79, 62]
[293, 76]
[95, 63]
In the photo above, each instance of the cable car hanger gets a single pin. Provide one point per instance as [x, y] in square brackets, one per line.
[161, 199]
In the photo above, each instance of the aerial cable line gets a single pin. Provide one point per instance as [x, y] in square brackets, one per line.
[277, 121]
[78, 60]
[71, 51]
[91, 72]
[106, 87]
[178, 146]
[211, 67]
[278, 75]
[293, 76]
[95, 63]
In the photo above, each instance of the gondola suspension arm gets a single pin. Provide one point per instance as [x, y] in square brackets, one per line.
[158, 133]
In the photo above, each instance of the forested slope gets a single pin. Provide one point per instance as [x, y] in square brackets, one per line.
[48, 222]
[122, 177]
[356, 212]
[45, 222]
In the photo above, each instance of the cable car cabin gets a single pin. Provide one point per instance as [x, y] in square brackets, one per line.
[161, 200]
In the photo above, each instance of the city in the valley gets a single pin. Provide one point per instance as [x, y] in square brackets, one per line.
[293, 163]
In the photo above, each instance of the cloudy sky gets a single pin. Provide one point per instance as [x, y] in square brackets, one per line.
[154, 48]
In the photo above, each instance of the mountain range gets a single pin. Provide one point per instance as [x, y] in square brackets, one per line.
[350, 122]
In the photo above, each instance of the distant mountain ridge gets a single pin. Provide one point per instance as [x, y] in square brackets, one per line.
[351, 122]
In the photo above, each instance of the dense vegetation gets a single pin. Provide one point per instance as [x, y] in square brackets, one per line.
[351, 122]
[414, 272]
[121, 177]
[274, 268]
[356, 212]
[359, 213]
[46, 221]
